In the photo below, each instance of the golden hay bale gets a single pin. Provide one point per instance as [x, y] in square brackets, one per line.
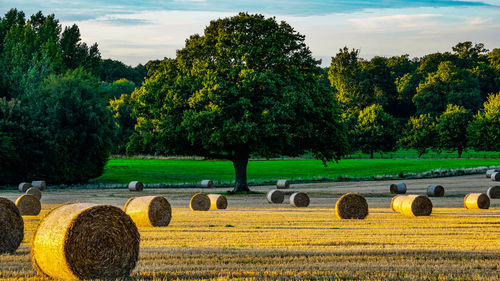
[217, 201]
[149, 211]
[282, 184]
[398, 188]
[28, 205]
[493, 192]
[416, 205]
[275, 196]
[396, 203]
[495, 176]
[135, 186]
[11, 226]
[489, 172]
[299, 199]
[206, 184]
[35, 192]
[476, 201]
[22, 187]
[351, 206]
[435, 190]
[40, 184]
[199, 202]
[85, 241]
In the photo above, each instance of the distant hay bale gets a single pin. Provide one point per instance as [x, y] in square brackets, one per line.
[415, 206]
[11, 226]
[275, 196]
[299, 199]
[85, 241]
[28, 205]
[206, 184]
[282, 184]
[476, 201]
[199, 202]
[396, 203]
[22, 187]
[495, 176]
[490, 171]
[39, 184]
[135, 186]
[35, 192]
[351, 206]
[398, 188]
[493, 192]
[149, 211]
[435, 190]
[217, 201]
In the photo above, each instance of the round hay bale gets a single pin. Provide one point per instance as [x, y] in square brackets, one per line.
[22, 187]
[40, 184]
[416, 205]
[135, 186]
[206, 184]
[149, 211]
[35, 192]
[283, 184]
[85, 241]
[11, 226]
[489, 172]
[351, 206]
[28, 205]
[435, 190]
[476, 201]
[199, 202]
[495, 176]
[398, 188]
[493, 192]
[299, 199]
[217, 201]
[396, 203]
[275, 196]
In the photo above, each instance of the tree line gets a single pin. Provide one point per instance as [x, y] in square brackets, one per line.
[248, 86]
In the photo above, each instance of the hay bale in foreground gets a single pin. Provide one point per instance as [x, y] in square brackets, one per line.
[217, 201]
[476, 201]
[199, 202]
[283, 184]
[351, 206]
[149, 211]
[493, 192]
[85, 241]
[28, 205]
[11, 226]
[415, 206]
[495, 176]
[39, 184]
[398, 188]
[490, 171]
[35, 192]
[135, 186]
[435, 190]
[22, 187]
[396, 203]
[299, 199]
[275, 196]
[206, 184]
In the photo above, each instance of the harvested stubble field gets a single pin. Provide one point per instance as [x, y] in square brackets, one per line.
[256, 240]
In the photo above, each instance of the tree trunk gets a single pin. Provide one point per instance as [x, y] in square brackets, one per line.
[240, 170]
[459, 153]
[371, 154]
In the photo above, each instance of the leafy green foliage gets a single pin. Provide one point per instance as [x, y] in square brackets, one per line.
[112, 70]
[115, 89]
[452, 128]
[484, 131]
[124, 122]
[420, 134]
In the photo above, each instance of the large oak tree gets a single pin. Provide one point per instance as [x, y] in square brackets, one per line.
[247, 87]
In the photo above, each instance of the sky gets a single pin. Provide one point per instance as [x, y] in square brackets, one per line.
[135, 31]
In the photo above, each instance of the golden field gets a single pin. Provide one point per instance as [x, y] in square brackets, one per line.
[254, 240]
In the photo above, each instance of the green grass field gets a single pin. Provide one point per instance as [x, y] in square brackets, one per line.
[192, 171]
